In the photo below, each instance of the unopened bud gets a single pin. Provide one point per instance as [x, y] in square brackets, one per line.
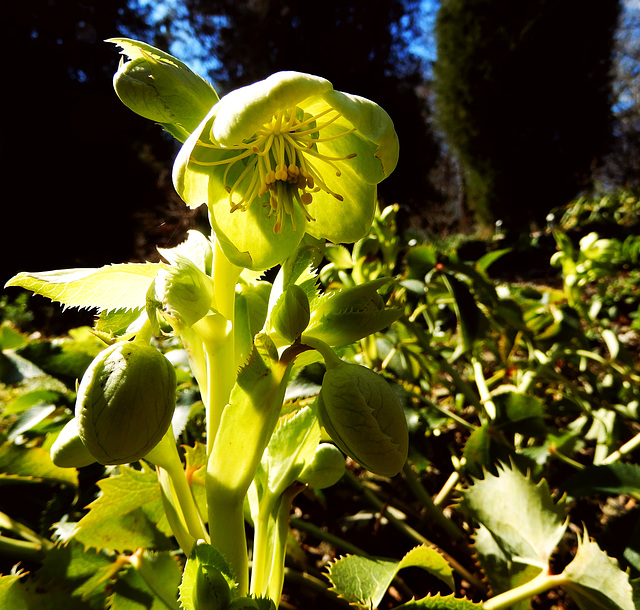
[290, 315]
[125, 402]
[183, 292]
[68, 450]
[161, 88]
[325, 469]
[364, 417]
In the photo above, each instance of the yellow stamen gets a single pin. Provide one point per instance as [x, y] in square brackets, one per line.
[276, 164]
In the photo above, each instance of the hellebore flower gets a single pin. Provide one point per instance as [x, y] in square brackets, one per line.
[285, 156]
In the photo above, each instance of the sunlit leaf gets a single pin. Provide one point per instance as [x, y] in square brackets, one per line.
[20, 462]
[523, 518]
[363, 581]
[106, 288]
[596, 581]
[437, 602]
[126, 514]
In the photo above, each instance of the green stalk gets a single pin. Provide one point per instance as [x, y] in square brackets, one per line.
[23, 550]
[217, 335]
[485, 395]
[264, 529]
[434, 513]
[165, 456]
[541, 583]
[246, 426]
[628, 447]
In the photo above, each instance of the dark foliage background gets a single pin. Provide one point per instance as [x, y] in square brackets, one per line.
[524, 97]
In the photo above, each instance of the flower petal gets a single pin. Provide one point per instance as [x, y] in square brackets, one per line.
[247, 237]
[243, 111]
[372, 122]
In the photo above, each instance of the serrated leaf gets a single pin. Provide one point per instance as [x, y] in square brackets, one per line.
[18, 595]
[596, 581]
[131, 592]
[33, 463]
[503, 574]
[126, 515]
[522, 517]
[85, 572]
[437, 602]
[618, 478]
[122, 286]
[363, 581]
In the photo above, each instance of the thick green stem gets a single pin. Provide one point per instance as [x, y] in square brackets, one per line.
[541, 583]
[246, 426]
[227, 530]
[264, 530]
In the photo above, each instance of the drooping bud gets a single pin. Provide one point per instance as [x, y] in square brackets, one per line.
[125, 402]
[350, 314]
[325, 469]
[290, 315]
[161, 88]
[183, 292]
[364, 417]
[68, 450]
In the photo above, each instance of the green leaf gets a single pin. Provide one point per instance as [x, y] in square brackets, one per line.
[437, 602]
[17, 595]
[522, 517]
[132, 592]
[614, 479]
[126, 515]
[596, 581]
[503, 574]
[111, 287]
[160, 573]
[86, 572]
[519, 413]
[363, 581]
[32, 463]
[469, 316]
[483, 449]
[293, 444]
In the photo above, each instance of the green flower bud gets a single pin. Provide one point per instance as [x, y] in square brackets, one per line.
[350, 314]
[183, 292]
[325, 469]
[364, 417]
[290, 315]
[125, 402]
[161, 88]
[68, 450]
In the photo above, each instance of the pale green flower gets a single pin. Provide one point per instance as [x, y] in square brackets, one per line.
[285, 156]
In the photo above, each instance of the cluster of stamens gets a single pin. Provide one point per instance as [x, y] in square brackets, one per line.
[278, 162]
